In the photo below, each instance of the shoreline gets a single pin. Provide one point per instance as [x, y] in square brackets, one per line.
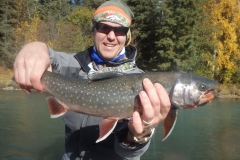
[227, 91]
[224, 92]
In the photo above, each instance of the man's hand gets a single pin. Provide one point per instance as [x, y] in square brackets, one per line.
[152, 108]
[29, 65]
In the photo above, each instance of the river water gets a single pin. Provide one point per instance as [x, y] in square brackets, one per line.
[211, 132]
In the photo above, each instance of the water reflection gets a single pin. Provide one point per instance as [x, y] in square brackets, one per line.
[26, 130]
[210, 132]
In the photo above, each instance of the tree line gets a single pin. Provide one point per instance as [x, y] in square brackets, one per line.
[195, 36]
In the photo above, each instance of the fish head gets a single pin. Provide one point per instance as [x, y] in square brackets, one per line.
[191, 91]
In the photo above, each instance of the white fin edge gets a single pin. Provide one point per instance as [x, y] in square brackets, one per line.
[108, 133]
[170, 130]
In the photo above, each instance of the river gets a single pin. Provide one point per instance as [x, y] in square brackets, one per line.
[211, 132]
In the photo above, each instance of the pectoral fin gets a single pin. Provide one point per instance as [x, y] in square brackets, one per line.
[106, 127]
[170, 122]
[56, 108]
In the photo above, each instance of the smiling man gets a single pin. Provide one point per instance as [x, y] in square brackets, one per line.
[111, 52]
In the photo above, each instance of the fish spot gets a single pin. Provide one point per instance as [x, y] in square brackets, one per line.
[84, 104]
[112, 107]
[105, 108]
[90, 107]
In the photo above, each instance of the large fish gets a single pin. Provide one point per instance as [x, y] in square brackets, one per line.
[112, 97]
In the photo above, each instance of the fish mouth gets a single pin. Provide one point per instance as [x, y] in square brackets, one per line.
[204, 99]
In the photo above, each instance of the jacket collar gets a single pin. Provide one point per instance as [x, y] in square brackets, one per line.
[84, 57]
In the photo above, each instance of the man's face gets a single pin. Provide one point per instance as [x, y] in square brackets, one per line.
[108, 45]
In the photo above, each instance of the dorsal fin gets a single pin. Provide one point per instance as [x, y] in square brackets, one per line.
[104, 75]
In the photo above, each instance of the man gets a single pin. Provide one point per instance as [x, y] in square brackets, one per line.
[111, 52]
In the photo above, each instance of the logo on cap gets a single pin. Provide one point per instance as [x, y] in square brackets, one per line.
[112, 17]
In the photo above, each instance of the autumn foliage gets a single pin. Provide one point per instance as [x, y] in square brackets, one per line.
[225, 15]
[196, 36]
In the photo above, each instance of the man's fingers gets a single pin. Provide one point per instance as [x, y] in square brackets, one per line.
[151, 92]
[30, 64]
[148, 111]
[137, 123]
[164, 100]
[150, 101]
[36, 81]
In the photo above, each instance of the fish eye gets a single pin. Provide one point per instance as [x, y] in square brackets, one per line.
[202, 87]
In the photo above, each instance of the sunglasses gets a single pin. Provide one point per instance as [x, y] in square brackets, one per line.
[104, 28]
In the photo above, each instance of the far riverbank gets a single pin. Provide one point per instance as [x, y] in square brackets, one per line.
[224, 91]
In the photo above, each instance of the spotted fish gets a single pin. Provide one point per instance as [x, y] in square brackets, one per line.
[112, 97]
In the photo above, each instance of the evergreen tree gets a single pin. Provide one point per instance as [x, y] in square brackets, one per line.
[7, 23]
[93, 4]
[54, 9]
[167, 34]
[145, 24]
[179, 47]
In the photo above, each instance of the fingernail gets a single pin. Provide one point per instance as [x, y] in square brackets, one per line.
[146, 80]
[143, 94]
[135, 114]
[157, 85]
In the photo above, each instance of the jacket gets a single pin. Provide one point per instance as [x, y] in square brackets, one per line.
[81, 131]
